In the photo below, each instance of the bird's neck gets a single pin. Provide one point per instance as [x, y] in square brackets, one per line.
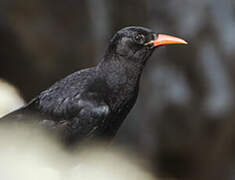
[122, 78]
[121, 72]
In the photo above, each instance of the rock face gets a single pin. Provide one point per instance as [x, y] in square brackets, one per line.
[186, 110]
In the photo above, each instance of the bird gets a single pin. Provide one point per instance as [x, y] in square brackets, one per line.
[93, 102]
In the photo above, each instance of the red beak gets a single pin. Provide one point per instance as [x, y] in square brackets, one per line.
[163, 39]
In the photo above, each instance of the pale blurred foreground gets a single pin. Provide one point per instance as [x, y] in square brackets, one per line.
[29, 154]
[9, 98]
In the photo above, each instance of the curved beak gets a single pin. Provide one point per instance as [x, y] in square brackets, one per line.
[163, 39]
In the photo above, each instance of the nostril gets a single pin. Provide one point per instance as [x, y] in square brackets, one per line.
[154, 36]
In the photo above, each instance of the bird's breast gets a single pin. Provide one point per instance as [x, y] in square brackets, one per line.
[119, 113]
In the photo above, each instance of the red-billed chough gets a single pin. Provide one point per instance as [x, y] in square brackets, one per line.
[94, 102]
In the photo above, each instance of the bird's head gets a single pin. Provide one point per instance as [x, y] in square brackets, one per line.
[137, 43]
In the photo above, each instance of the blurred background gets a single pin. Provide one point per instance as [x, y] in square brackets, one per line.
[184, 119]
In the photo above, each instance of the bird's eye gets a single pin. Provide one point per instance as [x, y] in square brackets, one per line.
[140, 39]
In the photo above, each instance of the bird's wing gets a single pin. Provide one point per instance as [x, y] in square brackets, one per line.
[80, 115]
[20, 114]
[76, 118]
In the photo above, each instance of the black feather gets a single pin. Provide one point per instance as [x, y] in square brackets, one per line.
[93, 102]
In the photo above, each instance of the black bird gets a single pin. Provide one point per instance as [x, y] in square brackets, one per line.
[94, 102]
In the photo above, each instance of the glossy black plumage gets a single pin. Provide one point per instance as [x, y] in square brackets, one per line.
[94, 102]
